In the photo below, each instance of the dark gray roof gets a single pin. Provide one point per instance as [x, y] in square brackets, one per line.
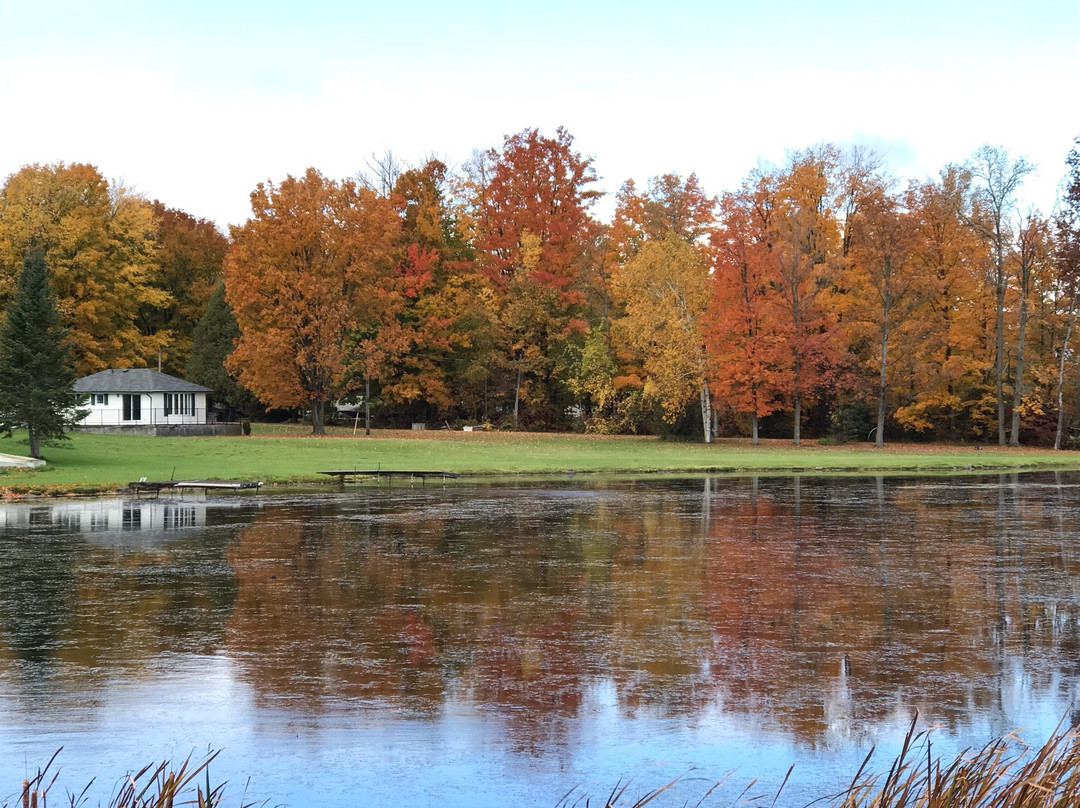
[136, 380]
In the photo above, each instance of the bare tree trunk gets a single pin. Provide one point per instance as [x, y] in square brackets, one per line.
[798, 400]
[367, 403]
[754, 429]
[35, 442]
[1018, 386]
[1061, 382]
[798, 416]
[999, 359]
[517, 395]
[317, 427]
[879, 438]
[706, 411]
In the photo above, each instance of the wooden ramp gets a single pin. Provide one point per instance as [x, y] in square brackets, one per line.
[356, 475]
[197, 485]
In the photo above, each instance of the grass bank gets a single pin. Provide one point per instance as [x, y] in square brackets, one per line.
[289, 454]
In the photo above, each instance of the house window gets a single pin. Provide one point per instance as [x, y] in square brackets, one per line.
[99, 398]
[179, 403]
[132, 407]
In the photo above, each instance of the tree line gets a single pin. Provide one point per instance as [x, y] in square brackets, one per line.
[821, 297]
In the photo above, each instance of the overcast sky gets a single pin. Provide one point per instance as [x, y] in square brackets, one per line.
[195, 102]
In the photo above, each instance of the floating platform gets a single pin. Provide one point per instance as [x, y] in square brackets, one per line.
[352, 475]
[198, 485]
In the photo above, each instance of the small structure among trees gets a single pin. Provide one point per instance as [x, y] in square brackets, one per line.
[135, 397]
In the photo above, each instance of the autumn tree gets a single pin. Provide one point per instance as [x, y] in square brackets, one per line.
[309, 268]
[860, 174]
[529, 208]
[805, 242]
[880, 284]
[35, 364]
[446, 311]
[190, 253]
[1067, 274]
[665, 287]
[99, 242]
[741, 332]
[670, 204]
[946, 370]
[997, 178]
[1029, 262]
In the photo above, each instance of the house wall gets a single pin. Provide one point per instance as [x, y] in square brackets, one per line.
[152, 411]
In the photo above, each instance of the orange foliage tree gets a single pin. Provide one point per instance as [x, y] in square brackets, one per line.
[1066, 294]
[805, 241]
[314, 263]
[532, 230]
[946, 388]
[1030, 264]
[881, 287]
[669, 205]
[741, 332]
[447, 311]
[189, 256]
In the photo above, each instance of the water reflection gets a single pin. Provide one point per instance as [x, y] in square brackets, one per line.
[818, 606]
[691, 616]
[109, 521]
[94, 586]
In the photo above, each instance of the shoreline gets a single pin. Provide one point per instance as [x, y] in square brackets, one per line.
[283, 456]
[20, 492]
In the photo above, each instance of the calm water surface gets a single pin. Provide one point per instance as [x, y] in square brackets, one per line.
[488, 645]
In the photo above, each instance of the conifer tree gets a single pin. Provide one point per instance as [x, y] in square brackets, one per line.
[213, 340]
[37, 389]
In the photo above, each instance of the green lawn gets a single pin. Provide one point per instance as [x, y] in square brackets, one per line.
[291, 454]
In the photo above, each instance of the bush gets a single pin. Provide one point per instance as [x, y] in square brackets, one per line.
[849, 423]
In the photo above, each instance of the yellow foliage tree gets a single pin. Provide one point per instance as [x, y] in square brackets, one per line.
[99, 242]
[665, 287]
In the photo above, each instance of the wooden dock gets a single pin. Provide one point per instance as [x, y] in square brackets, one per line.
[356, 475]
[157, 486]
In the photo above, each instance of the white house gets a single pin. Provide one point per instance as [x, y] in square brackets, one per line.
[138, 397]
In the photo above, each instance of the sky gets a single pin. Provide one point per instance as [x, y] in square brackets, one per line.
[196, 102]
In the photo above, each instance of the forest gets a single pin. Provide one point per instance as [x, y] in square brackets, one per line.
[822, 298]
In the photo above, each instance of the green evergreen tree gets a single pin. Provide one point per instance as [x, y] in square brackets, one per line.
[212, 341]
[36, 379]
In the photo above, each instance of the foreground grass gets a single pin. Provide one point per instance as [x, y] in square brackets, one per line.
[289, 454]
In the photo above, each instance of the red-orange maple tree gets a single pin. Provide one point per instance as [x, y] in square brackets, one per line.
[742, 334]
[313, 264]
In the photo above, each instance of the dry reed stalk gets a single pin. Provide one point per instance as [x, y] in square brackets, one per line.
[161, 786]
[1006, 773]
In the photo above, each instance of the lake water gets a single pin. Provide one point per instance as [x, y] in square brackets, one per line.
[502, 644]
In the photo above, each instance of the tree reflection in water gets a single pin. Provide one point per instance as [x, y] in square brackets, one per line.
[594, 626]
[818, 607]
